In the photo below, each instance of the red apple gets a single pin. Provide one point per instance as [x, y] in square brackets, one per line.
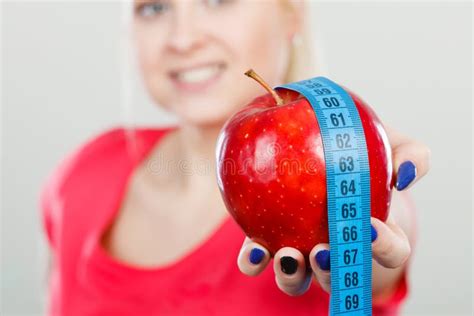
[272, 172]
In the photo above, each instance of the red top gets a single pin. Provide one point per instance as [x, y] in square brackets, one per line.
[83, 196]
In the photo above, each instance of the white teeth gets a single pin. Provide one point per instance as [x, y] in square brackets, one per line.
[198, 74]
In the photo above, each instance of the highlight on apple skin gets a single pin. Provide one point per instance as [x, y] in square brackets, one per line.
[271, 170]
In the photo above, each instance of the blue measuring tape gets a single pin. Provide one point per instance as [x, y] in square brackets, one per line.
[348, 194]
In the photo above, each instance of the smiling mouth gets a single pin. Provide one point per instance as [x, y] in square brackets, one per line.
[197, 78]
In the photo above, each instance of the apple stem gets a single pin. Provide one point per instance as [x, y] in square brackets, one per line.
[252, 74]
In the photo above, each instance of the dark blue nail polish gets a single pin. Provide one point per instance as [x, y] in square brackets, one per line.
[289, 265]
[406, 174]
[373, 233]
[256, 255]
[323, 259]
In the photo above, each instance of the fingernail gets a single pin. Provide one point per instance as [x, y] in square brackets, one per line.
[373, 233]
[256, 255]
[406, 174]
[288, 265]
[323, 259]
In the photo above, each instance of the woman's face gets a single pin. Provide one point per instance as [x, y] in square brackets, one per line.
[193, 53]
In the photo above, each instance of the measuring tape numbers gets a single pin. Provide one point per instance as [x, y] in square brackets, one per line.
[348, 194]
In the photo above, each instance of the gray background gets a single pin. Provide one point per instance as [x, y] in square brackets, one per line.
[61, 83]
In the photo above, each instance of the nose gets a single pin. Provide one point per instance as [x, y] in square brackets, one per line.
[184, 34]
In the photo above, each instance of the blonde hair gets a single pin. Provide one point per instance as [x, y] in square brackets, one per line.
[301, 64]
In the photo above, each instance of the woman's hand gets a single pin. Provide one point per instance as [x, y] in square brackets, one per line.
[391, 241]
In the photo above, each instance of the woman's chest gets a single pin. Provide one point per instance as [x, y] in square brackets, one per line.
[200, 277]
[159, 226]
[205, 282]
[197, 286]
